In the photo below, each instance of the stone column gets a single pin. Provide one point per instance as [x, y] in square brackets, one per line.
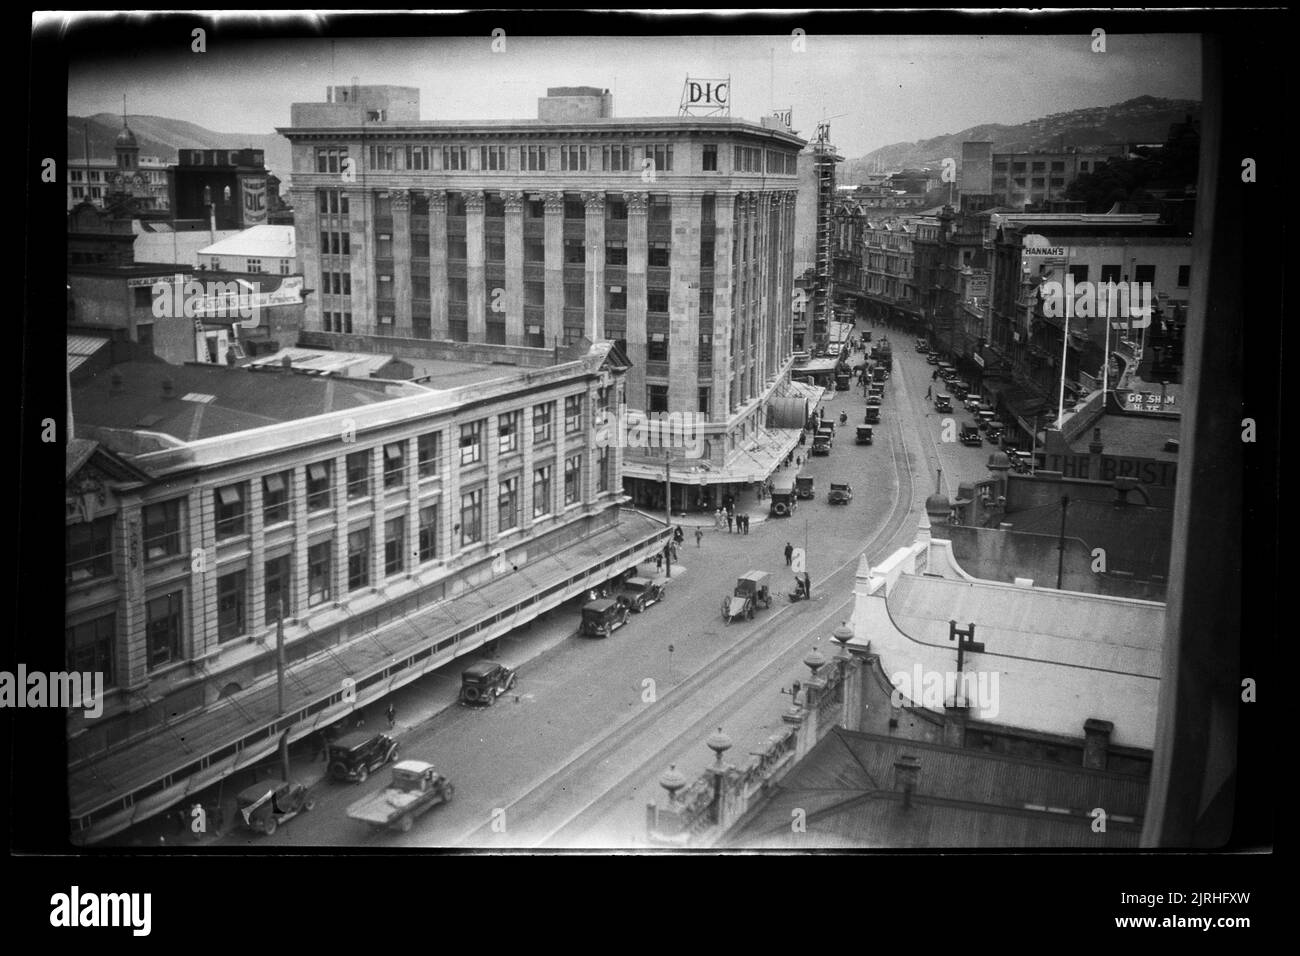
[306, 225]
[594, 326]
[723, 277]
[638, 257]
[514, 301]
[401, 265]
[553, 328]
[361, 205]
[475, 267]
[438, 327]
[684, 305]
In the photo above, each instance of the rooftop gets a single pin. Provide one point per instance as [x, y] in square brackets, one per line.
[432, 373]
[962, 798]
[209, 400]
[258, 241]
[1134, 436]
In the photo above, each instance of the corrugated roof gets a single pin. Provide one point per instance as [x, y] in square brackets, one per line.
[82, 347]
[258, 241]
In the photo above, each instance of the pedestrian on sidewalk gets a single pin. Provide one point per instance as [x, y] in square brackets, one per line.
[717, 519]
[789, 553]
[699, 536]
[391, 714]
[659, 561]
[746, 524]
[728, 522]
[934, 375]
[929, 391]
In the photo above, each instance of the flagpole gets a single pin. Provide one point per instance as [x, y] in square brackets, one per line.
[1065, 346]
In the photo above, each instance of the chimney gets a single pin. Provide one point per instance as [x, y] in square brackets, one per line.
[1096, 742]
[907, 769]
[168, 389]
[1122, 487]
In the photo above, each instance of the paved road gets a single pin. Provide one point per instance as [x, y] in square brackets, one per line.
[571, 756]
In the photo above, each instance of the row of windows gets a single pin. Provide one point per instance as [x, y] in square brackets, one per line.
[1141, 273]
[565, 158]
[91, 646]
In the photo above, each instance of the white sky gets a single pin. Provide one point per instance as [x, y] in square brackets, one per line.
[874, 90]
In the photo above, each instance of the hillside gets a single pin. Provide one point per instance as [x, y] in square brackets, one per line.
[163, 137]
[1145, 119]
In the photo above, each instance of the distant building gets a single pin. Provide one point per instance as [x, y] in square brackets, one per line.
[259, 249]
[1028, 179]
[142, 179]
[232, 184]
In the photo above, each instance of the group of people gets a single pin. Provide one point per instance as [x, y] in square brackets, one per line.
[729, 518]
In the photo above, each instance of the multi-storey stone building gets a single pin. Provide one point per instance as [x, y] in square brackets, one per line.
[672, 235]
[392, 526]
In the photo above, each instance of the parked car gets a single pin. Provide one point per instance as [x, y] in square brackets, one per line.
[484, 681]
[922, 346]
[839, 494]
[942, 403]
[932, 359]
[354, 756]
[264, 806]
[783, 501]
[602, 618]
[639, 593]
[970, 435]
[864, 435]
[821, 445]
[803, 486]
[872, 416]
[972, 403]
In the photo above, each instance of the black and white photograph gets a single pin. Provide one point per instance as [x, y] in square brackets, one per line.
[710, 435]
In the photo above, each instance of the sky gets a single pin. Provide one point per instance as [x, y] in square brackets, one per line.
[873, 90]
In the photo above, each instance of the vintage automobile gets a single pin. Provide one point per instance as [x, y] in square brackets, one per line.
[839, 494]
[959, 388]
[993, 434]
[484, 681]
[874, 401]
[985, 415]
[863, 436]
[602, 618]
[353, 756]
[639, 593]
[416, 787]
[872, 416]
[932, 359]
[821, 445]
[972, 402]
[783, 501]
[1021, 461]
[843, 380]
[922, 346]
[970, 435]
[825, 429]
[879, 374]
[803, 486]
[264, 806]
[751, 591]
[942, 403]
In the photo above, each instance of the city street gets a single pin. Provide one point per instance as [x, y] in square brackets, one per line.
[571, 755]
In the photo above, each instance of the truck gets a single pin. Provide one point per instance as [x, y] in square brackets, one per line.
[415, 788]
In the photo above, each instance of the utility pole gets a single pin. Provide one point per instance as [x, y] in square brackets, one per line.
[668, 509]
[1060, 564]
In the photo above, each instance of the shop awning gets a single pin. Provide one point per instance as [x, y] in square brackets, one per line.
[761, 455]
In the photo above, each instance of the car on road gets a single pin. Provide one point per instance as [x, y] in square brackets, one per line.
[864, 435]
[972, 403]
[751, 591]
[843, 381]
[970, 435]
[993, 434]
[484, 681]
[840, 494]
[959, 388]
[639, 593]
[932, 359]
[922, 346]
[872, 417]
[783, 501]
[942, 403]
[602, 618]
[264, 806]
[415, 788]
[354, 756]
[821, 445]
[803, 486]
